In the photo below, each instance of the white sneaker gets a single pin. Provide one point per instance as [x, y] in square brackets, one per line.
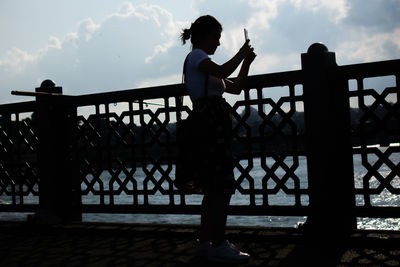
[227, 252]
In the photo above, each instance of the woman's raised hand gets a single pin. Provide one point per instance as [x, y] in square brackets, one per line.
[246, 49]
[250, 58]
[248, 52]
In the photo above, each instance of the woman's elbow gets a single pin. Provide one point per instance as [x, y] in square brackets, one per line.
[235, 90]
[221, 75]
[222, 72]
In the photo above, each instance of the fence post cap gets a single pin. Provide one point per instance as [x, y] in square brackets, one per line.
[47, 84]
[317, 48]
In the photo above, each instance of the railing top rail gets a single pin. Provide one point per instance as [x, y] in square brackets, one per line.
[264, 80]
[19, 107]
[370, 69]
[275, 79]
[130, 95]
[254, 81]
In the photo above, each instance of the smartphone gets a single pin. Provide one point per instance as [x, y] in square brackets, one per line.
[246, 35]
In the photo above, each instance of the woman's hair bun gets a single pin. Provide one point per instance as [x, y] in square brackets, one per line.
[185, 35]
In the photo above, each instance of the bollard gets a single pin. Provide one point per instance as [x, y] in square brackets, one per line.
[59, 199]
[329, 149]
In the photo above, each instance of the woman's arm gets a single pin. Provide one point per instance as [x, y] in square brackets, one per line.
[237, 86]
[225, 70]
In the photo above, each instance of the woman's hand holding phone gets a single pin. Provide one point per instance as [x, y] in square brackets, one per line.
[246, 34]
[250, 55]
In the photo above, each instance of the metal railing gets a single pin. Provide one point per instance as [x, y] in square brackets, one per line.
[115, 152]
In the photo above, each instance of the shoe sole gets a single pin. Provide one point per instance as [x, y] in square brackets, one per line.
[229, 260]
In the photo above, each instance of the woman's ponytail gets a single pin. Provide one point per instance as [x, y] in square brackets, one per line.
[185, 35]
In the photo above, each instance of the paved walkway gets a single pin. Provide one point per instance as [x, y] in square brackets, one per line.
[104, 244]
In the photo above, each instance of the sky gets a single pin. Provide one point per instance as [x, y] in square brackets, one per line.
[90, 46]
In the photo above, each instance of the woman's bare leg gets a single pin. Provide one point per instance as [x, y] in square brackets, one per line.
[213, 218]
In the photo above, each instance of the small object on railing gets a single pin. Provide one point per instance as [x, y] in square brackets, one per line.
[150, 103]
[26, 93]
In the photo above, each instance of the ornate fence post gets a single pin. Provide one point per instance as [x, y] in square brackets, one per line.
[329, 151]
[59, 199]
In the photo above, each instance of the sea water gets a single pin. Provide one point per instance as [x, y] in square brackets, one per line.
[385, 198]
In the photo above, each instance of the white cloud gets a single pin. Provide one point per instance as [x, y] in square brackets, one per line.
[126, 10]
[337, 9]
[53, 43]
[86, 29]
[16, 60]
[264, 12]
[370, 47]
[168, 28]
[163, 48]
[72, 38]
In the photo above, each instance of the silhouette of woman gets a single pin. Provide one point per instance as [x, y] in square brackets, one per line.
[205, 82]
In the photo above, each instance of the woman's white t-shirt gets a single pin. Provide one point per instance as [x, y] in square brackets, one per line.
[195, 79]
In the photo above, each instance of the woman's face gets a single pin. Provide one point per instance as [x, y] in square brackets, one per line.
[211, 42]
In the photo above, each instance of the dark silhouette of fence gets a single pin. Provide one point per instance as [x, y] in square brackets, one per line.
[58, 150]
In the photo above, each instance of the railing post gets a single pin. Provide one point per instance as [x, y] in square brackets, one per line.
[59, 194]
[328, 141]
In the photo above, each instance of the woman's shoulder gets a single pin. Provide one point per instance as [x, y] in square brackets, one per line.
[196, 56]
[198, 51]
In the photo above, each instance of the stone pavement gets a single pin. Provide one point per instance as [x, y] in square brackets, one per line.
[110, 244]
